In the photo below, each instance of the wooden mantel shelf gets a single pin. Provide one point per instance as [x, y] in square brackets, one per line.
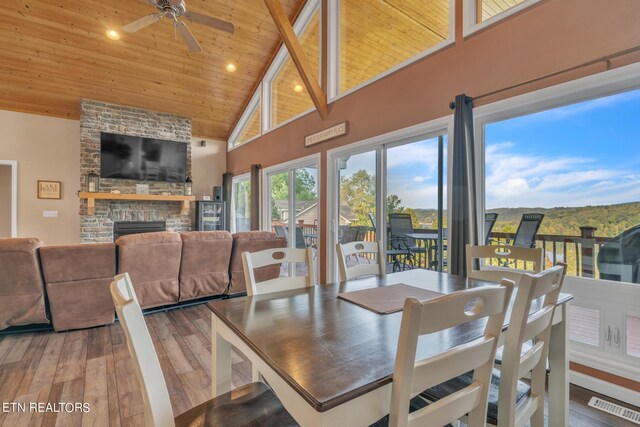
[91, 199]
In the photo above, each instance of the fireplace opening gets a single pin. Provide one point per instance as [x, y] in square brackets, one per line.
[122, 228]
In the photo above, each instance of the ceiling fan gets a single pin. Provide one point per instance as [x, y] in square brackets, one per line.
[174, 9]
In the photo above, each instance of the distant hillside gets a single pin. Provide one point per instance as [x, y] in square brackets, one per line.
[609, 220]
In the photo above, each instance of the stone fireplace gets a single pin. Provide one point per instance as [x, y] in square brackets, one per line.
[96, 117]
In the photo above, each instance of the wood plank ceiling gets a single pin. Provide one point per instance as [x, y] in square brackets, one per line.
[56, 53]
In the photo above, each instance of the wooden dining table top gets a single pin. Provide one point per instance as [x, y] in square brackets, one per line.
[330, 350]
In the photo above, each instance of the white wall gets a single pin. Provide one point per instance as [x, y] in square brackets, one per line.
[208, 163]
[46, 148]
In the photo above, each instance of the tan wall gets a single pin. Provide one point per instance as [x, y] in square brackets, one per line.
[549, 36]
[5, 201]
[207, 165]
[46, 148]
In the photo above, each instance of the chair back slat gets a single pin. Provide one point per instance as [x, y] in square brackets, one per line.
[448, 409]
[489, 222]
[452, 363]
[530, 359]
[505, 254]
[538, 322]
[411, 376]
[355, 249]
[155, 396]
[253, 260]
[458, 308]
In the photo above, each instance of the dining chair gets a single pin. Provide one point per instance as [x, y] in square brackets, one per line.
[252, 404]
[489, 221]
[506, 255]
[527, 230]
[358, 249]
[513, 402]
[253, 260]
[410, 377]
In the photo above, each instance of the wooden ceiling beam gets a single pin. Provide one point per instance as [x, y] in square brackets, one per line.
[297, 55]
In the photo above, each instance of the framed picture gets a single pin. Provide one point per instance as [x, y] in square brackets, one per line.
[49, 189]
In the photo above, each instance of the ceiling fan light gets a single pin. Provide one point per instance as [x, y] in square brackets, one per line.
[231, 67]
[113, 34]
[298, 88]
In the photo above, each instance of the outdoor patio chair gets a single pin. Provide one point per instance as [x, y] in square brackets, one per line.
[400, 225]
[527, 230]
[489, 222]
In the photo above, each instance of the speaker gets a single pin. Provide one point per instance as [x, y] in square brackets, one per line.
[217, 194]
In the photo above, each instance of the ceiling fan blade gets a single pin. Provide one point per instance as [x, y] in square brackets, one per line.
[187, 36]
[145, 21]
[210, 21]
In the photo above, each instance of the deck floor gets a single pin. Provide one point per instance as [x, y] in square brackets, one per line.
[94, 366]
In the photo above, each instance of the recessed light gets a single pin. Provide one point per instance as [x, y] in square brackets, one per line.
[113, 34]
[231, 67]
[298, 88]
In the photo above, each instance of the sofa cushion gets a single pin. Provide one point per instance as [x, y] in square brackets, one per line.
[204, 266]
[21, 287]
[153, 263]
[77, 279]
[252, 241]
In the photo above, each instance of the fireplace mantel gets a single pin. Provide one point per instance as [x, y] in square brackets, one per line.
[91, 198]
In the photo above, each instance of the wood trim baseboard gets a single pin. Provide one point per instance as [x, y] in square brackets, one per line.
[605, 376]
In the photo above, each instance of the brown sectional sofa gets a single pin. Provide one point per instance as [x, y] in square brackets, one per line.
[165, 268]
[204, 265]
[77, 279]
[22, 300]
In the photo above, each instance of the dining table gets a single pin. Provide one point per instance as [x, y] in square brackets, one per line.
[331, 361]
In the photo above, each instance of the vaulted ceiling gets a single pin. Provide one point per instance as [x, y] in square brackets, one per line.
[55, 53]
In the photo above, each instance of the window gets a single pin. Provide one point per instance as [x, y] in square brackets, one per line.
[578, 165]
[241, 204]
[479, 14]
[376, 36]
[289, 96]
[252, 128]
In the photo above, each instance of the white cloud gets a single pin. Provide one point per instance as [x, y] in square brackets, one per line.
[519, 180]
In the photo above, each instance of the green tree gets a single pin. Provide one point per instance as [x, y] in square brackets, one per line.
[305, 186]
[359, 193]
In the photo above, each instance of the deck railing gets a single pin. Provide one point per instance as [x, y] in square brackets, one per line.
[579, 252]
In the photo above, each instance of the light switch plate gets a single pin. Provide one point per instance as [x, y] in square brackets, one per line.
[50, 214]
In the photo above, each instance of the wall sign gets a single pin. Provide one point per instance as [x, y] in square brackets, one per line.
[327, 134]
[49, 189]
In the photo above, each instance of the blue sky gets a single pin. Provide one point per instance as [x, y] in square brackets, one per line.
[582, 154]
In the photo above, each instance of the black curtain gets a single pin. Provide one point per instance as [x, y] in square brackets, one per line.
[255, 197]
[227, 187]
[464, 219]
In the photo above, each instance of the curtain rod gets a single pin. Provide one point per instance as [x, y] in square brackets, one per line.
[606, 59]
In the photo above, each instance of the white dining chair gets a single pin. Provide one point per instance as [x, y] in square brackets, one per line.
[481, 269]
[252, 404]
[254, 260]
[410, 377]
[514, 402]
[360, 250]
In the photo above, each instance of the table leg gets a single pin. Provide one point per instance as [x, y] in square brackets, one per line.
[220, 361]
[559, 371]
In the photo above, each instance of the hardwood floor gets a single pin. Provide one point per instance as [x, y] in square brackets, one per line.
[93, 366]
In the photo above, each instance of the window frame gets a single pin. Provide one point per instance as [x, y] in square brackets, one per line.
[236, 179]
[470, 10]
[378, 144]
[255, 100]
[333, 52]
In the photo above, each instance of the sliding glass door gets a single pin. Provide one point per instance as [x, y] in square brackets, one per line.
[241, 204]
[291, 207]
[394, 192]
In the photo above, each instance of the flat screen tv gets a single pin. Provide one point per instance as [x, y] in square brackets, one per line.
[142, 159]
